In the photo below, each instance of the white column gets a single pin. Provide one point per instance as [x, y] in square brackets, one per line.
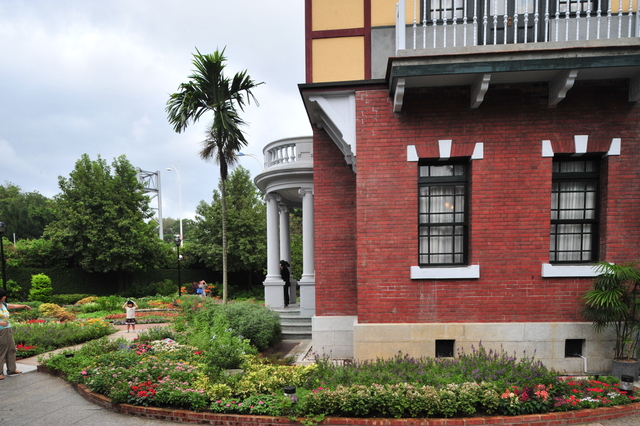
[273, 282]
[285, 247]
[308, 279]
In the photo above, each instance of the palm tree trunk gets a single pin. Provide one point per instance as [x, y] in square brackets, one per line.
[224, 242]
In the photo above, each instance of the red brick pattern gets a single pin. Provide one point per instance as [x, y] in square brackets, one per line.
[509, 209]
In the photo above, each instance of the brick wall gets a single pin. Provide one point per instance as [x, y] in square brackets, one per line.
[509, 201]
[335, 229]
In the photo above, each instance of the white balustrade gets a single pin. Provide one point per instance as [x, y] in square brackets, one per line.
[493, 22]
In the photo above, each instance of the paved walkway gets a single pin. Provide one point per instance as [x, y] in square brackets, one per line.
[37, 399]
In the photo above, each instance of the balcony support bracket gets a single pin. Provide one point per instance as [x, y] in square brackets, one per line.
[398, 96]
[560, 85]
[478, 89]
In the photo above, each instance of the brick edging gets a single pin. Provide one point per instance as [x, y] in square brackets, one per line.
[208, 418]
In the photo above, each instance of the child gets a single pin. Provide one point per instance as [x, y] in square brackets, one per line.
[130, 306]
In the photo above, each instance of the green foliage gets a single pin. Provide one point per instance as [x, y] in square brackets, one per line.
[41, 289]
[14, 290]
[247, 320]
[48, 336]
[246, 226]
[157, 333]
[67, 299]
[101, 218]
[25, 213]
[35, 253]
[614, 302]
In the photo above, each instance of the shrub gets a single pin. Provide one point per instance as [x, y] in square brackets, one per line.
[254, 322]
[84, 301]
[41, 289]
[67, 299]
[14, 291]
[51, 310]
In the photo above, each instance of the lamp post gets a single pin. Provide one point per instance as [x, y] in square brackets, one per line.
[255, 157]
[170, 168]
[3, 228]
[178, 242]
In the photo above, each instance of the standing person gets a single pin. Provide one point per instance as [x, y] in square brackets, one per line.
[130, 306]
[7, 344]
[286, 277]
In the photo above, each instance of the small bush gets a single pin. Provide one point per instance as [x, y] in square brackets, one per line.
[51, 310]
[254, 322]
[84, 301]
[67, 299]
[41, 289]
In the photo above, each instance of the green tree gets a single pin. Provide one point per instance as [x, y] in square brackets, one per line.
[246, 228]
[26, 214]
[172, 228]
[101, 218]
[209, 90]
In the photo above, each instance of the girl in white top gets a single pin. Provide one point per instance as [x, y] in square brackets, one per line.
[130, 306]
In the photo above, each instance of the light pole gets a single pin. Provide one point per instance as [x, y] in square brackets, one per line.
[170, 168]
[255, 157]
[178, 242]
[3, 228]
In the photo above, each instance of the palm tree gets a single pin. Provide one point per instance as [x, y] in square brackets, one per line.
[208, 89]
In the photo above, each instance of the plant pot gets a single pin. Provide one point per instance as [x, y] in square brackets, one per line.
[624, 367]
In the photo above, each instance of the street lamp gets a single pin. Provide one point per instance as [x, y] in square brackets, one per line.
[170, 168]
[3, 228]
[255, 157]
[178, 242]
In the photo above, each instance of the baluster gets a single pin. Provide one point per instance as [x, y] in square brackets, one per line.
[505, 20]
[424, 24]
[485, 21]
[557, 18]
[475, 23]
[598, 16]
[464, 21]
[609, 21]
[434, 23]
[637, 18]
[536, 20]
[546, 21]
[566, 21]
[630, 18]
[455, 22]
[579, 8]
[495, 22]
[415, 25]
[444, 25]
[620, 19]
[588, 17]
[515, 25]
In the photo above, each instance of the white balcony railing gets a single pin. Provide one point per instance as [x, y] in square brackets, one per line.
[454, 23]
[287, 151]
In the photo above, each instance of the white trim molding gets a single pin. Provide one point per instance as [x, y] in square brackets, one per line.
[451, 273]
[568, 271]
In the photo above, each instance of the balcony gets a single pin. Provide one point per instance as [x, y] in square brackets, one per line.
[288, 167]
[484, 42]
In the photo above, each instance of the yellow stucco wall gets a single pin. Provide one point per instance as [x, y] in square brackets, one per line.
[338, 59]
[383, 12]
[337, 14]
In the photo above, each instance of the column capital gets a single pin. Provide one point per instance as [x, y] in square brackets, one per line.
[283, 208]
[305, 191]
[272, 196]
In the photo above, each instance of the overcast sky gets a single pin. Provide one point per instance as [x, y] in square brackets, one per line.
[80, 76]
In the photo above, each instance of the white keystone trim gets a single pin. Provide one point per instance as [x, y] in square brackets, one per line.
[412, 153]
[581, 142]
[616, 146]
[445, 148]
[478, 151]
[452, 273]
[547, 149]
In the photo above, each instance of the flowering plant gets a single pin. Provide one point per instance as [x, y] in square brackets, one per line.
[142, 393]
[585, 393]
[25, 351]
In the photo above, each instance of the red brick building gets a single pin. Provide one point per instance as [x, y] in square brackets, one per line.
[465, 182]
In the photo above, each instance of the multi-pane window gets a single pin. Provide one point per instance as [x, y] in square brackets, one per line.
[574, 211]
[439, 10]
[442, 214]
